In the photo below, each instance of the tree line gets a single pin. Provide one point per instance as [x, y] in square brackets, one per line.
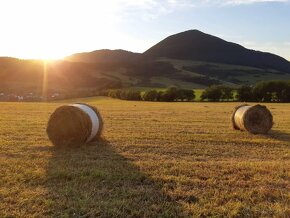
[268, 91]
[169, 95]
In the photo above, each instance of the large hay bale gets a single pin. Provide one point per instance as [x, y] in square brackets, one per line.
[254, 119]
[74, 124]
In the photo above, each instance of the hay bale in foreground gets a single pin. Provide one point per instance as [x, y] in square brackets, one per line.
[254, 119]
[74, 124]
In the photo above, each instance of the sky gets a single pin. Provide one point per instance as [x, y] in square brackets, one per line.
[50, 29]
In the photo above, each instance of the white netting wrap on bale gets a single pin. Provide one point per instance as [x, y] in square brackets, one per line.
[74, 124]
[254, 119]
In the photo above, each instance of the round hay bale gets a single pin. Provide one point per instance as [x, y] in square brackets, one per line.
[74, 124]
[254, 119]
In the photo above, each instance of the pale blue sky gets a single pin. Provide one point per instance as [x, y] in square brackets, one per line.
[55, 28]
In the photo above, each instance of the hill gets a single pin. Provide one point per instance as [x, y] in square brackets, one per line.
[198, 46]
[25, 76]
[191, 59]
[104, 55]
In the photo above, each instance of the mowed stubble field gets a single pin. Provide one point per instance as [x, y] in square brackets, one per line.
[155, 160]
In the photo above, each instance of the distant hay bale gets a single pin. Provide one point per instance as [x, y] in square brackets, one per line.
[74, 124]
[254, 119]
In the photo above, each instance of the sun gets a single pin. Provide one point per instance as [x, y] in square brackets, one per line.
[53, 29]
[50, 57]
[44, 54]
[47, 51]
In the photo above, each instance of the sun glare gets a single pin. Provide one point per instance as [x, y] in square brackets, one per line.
[44, 82]
[44, 56]
[55, 29]
[47, 56]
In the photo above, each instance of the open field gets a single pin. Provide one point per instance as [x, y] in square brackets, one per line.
[155, 160]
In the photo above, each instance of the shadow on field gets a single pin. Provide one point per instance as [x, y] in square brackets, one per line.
[279, 135]
[95, 181]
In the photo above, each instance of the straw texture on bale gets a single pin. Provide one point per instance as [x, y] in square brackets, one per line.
[254, 119]
[72, 125]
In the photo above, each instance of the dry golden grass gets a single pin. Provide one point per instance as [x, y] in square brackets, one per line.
[156, 160]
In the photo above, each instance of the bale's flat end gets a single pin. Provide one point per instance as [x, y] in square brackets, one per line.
[259, 119]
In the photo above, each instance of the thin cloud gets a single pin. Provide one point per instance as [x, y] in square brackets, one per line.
[148, 10]
[246, 2]
[239, 2]
[152, 9]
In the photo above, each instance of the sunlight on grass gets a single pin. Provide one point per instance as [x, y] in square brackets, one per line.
[155, 159]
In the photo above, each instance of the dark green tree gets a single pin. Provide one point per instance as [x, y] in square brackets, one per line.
[170, 94]
[285, 97]
[245, 93]
[270, 91]
[212, 93]
[150, 95]
[261, 92]
[115, 93]
[227, 93]
[130, 94]
[185, 94]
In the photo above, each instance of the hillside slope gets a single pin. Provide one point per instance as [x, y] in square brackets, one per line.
[104, 55]
[22, 76]
[198, 46]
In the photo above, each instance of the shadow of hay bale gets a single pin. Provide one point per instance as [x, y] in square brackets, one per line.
[279, 135]
[95, 181]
